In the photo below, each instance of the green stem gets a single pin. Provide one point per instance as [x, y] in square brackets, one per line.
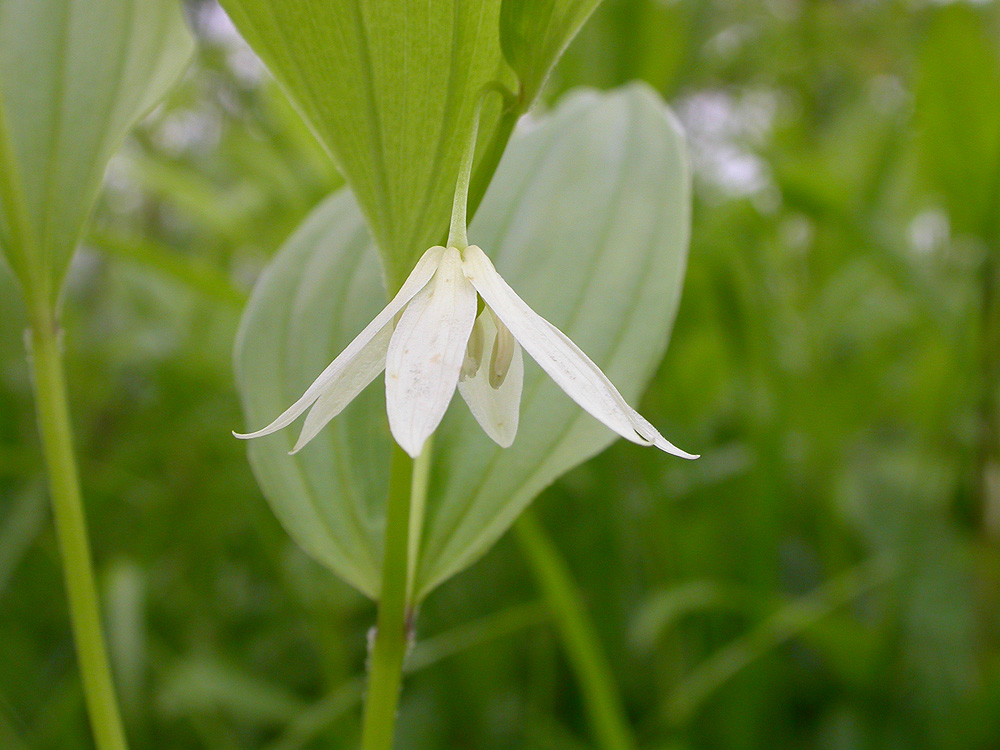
[605, 711]
[418, 507]
[458, 231]
[71, 531]
[489, 160]
[385, 671]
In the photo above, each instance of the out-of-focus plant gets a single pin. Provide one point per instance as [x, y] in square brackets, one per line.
[958, 121]
[74, 78]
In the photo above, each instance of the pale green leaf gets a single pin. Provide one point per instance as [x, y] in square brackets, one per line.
[391, 89]
[534, 34]
[587, 218]
[75, 76]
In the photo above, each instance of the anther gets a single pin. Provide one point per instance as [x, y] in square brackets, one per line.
[503, 353]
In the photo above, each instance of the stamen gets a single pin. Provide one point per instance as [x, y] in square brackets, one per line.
[473, 353]
[503, 353]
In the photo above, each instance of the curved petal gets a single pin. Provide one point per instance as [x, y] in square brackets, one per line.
[496, 409]
[566, 364]
[353, 378]
[415, 282]
[426, 354]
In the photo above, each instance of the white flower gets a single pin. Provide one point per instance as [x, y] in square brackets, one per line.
[439, 343]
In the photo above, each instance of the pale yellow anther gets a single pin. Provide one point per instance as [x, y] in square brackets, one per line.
[503, 353]
[473, 353]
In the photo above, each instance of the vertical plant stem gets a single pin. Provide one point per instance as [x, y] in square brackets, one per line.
[418, 508]
[385, 670]
[71, 531]
[605, 711]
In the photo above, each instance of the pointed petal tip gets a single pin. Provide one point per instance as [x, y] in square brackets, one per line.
[673, 450]
[305, 437]
[251, 435]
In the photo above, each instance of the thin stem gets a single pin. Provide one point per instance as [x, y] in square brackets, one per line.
[457, 232]
[603, 704]
[418, 506]
[71, 531]
[385, 670]
[489, 160]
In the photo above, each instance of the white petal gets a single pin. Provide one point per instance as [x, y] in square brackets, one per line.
[353, 378]
[566, 364]
[496, 409]
[329, 378]
[426, 354]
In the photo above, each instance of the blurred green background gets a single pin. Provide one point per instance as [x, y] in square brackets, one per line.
[826, 576]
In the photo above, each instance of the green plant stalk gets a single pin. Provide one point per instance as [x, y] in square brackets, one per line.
[459, 227]
[385, 669]
[602, 701]
[418, 509]
[490, 160]
[71, 530]
[470, 185]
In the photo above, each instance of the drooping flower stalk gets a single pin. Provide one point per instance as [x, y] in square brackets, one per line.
[459, 227]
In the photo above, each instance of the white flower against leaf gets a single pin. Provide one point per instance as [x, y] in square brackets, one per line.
[439, 344]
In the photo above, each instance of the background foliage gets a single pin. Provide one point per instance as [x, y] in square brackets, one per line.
[826, 576]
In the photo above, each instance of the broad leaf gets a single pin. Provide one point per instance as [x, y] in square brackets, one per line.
[958, 114]
[391, 89]
[587, 218]
[534, 34]
[74, 78]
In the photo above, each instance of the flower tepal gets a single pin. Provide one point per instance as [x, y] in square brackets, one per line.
[439, 344]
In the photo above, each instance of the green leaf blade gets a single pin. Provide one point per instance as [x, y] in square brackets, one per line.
[535, 33]
[391, 89]
[74, 78]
